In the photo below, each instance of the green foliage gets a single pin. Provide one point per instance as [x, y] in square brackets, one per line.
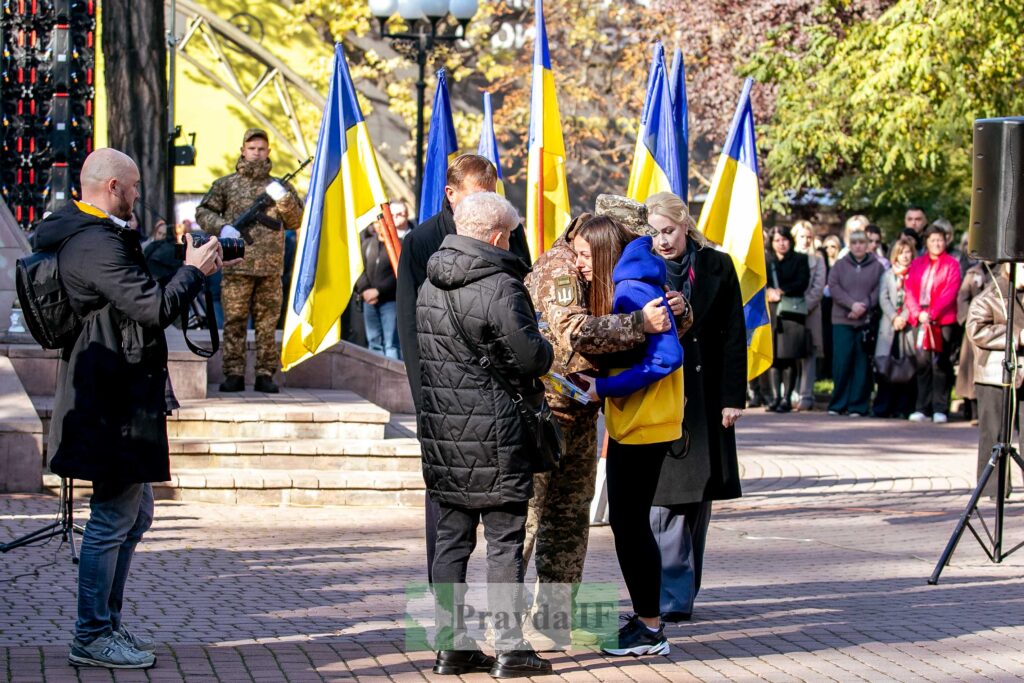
[881, 111]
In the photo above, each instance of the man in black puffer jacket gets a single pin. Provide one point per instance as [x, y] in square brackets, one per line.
[477, 459]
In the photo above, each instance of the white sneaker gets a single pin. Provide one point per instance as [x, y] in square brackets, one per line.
[940, 418]
[918, 416]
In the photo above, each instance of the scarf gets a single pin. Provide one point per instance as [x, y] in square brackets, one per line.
[258, 170]
[680, 272]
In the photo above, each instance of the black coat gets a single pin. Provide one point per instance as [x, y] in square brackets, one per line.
[715, 375]
[476, 452]
[417, 248]
[377, 271]
[110, 411]
[792, 271]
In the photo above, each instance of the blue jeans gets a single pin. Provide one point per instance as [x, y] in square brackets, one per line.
[120, 515]
[382, 328]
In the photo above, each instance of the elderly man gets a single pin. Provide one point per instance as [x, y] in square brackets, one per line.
[478, 462]
[109, 413]
[469, 173]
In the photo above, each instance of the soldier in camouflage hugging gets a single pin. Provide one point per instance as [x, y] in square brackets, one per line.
[255, 282]
[558, 524]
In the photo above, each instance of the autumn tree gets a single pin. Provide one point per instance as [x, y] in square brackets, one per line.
[881, 112]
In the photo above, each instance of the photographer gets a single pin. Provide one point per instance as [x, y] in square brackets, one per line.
[113, 394]
[257, 281]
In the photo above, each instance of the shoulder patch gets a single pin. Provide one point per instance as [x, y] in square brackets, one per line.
[565, 291]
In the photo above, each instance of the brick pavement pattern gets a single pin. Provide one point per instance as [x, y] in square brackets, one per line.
[817, 574]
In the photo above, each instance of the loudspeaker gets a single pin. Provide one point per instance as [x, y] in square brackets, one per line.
[997, 203]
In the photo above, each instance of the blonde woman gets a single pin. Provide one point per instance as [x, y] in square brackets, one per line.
[803, 238]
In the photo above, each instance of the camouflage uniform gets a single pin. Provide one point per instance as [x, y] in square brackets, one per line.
[558, 522]
[256, 281]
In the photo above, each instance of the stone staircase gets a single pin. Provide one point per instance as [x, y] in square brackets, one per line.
[304, 447]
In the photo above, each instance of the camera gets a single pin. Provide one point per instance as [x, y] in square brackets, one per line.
[234, 247]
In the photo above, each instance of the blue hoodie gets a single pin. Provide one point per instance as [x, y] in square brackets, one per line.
[640, 276]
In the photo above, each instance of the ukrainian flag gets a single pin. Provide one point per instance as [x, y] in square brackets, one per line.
[345, 195]
[488, 147]
[547, 195]
[657, 159]
[441, 148]
[681, 116]
[732, 218]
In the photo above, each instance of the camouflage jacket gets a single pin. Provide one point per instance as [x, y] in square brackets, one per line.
[230, 196]
[559, 295]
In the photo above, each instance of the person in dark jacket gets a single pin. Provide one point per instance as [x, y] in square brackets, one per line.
[376, 286]
[478, 456]
[469, 173]
[715, 373]
[789, 274]
[113, 393]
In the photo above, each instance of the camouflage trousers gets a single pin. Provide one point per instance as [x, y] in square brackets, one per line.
[262, 295]
[558, 521]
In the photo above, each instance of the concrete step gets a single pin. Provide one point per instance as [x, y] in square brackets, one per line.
[331, 455]
[292, 414]
[279, 487]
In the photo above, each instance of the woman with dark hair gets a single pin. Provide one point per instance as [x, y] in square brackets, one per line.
[643, 394]
[789, 274]
[892, 399]
[932, 285]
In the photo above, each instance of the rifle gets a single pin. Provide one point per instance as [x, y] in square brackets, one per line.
[256, 213]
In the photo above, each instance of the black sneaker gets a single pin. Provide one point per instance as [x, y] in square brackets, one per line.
[520, 664]
[456, 662]
[636, 639]
[265, 384]
[233, 383]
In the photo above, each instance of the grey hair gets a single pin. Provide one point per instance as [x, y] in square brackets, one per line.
[482, 214]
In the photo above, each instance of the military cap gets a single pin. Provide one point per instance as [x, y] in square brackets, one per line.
[631, 214]
[255, 133]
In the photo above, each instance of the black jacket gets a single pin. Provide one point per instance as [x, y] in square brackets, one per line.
[475, 450]
[377, 271]
[417, 248]
[715, 374]
[110, 410]
[792, 271]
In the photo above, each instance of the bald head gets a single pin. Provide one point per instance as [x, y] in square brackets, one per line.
[110, 182]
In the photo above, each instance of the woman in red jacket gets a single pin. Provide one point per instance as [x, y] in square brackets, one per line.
[931, 288]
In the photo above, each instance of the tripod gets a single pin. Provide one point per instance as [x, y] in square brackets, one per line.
[1002, 453]
[64, 527]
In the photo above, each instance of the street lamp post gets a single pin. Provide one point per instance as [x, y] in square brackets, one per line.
[426, 28]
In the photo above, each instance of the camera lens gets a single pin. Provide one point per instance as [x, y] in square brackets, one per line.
[234, 248]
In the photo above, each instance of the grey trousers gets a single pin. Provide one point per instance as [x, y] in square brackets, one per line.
[681, 532]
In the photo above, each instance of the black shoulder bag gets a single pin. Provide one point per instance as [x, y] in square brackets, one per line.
[540, 421]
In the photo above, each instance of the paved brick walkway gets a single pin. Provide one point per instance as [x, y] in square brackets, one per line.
[817, 574]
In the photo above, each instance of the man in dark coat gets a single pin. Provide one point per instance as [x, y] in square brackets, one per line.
[478, 457]
[469, 173]
[376, 287]
[113, 393]
[715, 373]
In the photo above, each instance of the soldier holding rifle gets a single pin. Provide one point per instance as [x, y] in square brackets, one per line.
[251, 204]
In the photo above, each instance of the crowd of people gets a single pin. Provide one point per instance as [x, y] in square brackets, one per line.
[884, 322]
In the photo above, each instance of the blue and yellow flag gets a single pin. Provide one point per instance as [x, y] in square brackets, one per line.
[657, 162]
[732, 218]
[488, 147]
[681, 117]
[547, 194]
[441, 148]
[345, 195]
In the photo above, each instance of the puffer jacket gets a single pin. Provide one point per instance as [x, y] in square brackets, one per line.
[986, 329]
[476, 452]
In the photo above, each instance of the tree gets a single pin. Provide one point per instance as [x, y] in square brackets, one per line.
[882, 112]
[135, 74]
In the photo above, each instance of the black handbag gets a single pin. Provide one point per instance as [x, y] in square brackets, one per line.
[790, 307]
[537, 420]
[900, 366]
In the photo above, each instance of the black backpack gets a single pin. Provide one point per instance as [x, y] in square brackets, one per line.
[44, 303]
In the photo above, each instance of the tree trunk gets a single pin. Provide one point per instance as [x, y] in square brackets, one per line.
[135, 73]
